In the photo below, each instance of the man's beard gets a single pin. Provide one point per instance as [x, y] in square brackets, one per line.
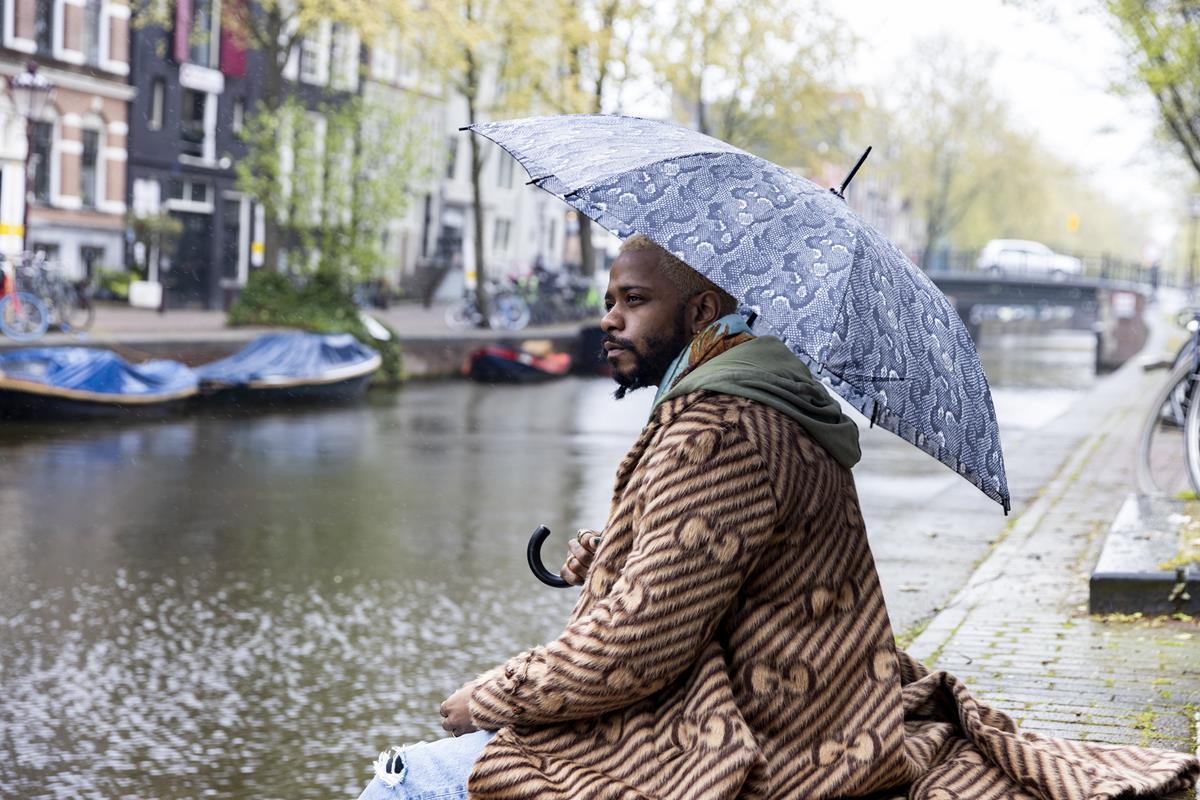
[650, 363]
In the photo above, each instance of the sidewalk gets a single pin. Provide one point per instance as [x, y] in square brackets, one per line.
[1019, 633]
[121, 323]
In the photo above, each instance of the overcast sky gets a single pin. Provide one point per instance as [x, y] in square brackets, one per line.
[1056, 75]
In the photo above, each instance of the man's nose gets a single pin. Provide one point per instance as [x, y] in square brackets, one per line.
[611, 321]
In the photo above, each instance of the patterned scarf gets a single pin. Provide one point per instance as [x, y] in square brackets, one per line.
[720, 336]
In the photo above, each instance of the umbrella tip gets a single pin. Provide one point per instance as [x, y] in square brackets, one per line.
[841, 190]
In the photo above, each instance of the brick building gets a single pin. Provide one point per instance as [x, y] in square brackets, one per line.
[78, 162]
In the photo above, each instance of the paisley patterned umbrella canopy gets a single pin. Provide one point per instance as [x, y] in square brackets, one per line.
[843, 298]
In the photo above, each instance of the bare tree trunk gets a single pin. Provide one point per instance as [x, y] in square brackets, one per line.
[276, 55]
[587, 250]
[481, 298]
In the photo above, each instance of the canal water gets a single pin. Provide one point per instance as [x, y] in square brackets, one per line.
[252, 605]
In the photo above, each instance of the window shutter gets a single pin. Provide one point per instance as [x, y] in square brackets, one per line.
[233, 51]
[183, 29]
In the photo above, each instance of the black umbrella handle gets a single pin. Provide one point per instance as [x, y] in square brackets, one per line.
[534, 554]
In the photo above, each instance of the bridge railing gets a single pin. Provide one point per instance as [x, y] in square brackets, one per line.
[1101, 266]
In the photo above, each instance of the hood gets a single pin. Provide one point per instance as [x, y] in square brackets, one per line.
[766, 371]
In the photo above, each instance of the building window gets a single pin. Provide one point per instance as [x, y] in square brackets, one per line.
[314, 55]
[231, 245]
[202, 33]
[239, 114]
[383, 57]
[190, 194]
[191, 123]
[146, 196]
[500, 234]
[43, 25]
[158, 91]
[87, 171]
[47, 250]
[344, 58]
[504, 172]
[90, 257]
[91, 32]
[43, 136]
[451, 156]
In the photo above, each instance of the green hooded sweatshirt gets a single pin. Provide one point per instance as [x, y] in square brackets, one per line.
[766, 371]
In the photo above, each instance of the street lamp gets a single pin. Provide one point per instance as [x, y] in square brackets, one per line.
[30, 91]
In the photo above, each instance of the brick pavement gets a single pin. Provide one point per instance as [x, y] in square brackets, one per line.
[1019, 633]
[117, 321]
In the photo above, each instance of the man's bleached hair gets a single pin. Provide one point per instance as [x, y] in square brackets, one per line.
[688, 281]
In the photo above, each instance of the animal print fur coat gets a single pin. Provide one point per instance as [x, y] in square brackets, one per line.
[731, 641]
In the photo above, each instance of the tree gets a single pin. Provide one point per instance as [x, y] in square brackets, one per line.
[331, 179]
[594, 51]
[758, 75]
[158, 235]
[1163, 38]
[948, 125]
[487, 53]
[1041, 196]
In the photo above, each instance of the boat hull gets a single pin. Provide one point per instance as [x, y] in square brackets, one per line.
[495, 369]
[19, 404]
[291, 368]
[317, 392]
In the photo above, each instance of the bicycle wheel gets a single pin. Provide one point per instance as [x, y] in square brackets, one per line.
[509, 312]
[1179, 380]
[75, 311]
[461, 315]
[23, 317]
[1191, 445]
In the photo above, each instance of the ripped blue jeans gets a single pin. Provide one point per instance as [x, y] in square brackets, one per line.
[428, 770]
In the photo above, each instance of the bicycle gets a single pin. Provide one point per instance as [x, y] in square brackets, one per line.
[1173, 407]
[507, 311]
[69, 302]
[23, 316]
[552, 297]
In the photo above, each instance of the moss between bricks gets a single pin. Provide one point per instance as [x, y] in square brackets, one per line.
[907, 636]
[322, 304]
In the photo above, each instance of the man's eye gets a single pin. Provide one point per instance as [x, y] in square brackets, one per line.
[608, 304]
[633, 298]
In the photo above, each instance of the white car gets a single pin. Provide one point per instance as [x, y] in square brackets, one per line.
[1018, 256]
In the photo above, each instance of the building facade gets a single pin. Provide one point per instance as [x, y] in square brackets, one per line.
[187, 116]
[77, 166]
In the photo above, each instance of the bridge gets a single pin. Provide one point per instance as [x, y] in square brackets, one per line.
[1112, 306]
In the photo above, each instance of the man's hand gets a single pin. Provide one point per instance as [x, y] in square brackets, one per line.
[582, 548]
[456, 713]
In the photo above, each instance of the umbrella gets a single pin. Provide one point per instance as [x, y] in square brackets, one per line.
[845, 300]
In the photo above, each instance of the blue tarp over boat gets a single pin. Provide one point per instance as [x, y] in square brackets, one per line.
[92, 374]
[292, 359]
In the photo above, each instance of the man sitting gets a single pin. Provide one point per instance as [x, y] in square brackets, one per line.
[731, 639]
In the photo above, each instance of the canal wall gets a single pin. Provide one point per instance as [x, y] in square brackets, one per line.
[426, 356]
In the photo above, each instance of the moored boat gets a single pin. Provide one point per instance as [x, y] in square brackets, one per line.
[499, 364]
[292, 367]
[89, 382]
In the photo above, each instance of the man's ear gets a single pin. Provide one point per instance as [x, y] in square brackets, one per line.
[706, 309]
